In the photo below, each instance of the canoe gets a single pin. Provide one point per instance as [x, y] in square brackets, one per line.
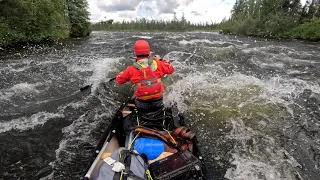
[115, 137]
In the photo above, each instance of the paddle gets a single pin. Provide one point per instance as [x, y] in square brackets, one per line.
[89, 86]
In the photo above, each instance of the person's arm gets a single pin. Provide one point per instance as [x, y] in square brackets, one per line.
[166, 67]
[123, 77]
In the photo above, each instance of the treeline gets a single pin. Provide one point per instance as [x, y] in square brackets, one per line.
[41, 20]
[275, 18]
[152, 25]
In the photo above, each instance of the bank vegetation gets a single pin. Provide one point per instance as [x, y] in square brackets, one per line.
[275, 19]
[34, 21]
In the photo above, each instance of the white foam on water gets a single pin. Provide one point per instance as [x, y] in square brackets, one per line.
[276, 90]
[194, 41]
[207, 83]
[13, 69]
[26, 123]
[175, 36]
[261, 159]
[25, 88]
[19, 89]
[101, 68]
[264, 160]
[284, 91]
[248, 168]
[143, 37]
[294, 72]
[267, 63]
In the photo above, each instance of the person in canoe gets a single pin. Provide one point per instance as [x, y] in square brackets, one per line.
[146, 74]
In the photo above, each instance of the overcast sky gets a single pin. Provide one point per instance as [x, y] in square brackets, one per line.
[194, 10]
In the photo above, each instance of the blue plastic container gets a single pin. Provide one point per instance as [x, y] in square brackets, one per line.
[150, 146]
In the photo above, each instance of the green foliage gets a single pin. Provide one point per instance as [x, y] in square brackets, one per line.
[274, 18]
[309, 30]
[152, 25]
[79, 18]
[145, 25]
[40, 20]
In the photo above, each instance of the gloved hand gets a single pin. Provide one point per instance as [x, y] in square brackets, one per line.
[157, 57]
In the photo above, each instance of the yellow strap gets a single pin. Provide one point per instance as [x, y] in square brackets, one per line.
[121, 175]
[119, 153]
[144, 74]
[164, 119]
[129, 147]
[148, 174]
[140, 64]
[138, 121]
[170, 135]
[155, 65]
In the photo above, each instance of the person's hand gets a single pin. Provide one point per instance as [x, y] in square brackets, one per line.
[156, 57]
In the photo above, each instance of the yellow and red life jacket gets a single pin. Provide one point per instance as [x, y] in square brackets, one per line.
[149, 85]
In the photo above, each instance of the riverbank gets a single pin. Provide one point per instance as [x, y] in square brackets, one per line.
[274, 19]
[306, 31]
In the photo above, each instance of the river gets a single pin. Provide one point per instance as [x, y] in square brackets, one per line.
[254, 103]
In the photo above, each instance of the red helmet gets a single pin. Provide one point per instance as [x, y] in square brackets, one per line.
[141, 47]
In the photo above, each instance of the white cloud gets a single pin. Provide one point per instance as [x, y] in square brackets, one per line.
[194, 10]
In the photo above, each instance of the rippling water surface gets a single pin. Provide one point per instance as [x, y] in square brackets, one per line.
[255, 104]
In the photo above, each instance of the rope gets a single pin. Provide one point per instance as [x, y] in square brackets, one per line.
[148, 174]
[170, 135]
[129, 147]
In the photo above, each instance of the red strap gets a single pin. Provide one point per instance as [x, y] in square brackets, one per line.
[183, 132]
[154, 133]
[179, 131]
[188, 135]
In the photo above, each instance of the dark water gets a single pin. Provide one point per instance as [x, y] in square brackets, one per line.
[255, 104]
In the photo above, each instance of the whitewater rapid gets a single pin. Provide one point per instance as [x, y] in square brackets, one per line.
[254, 103]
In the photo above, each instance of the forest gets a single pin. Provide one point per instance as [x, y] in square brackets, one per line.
[34, 21]
[274, 19]
[176, 24]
